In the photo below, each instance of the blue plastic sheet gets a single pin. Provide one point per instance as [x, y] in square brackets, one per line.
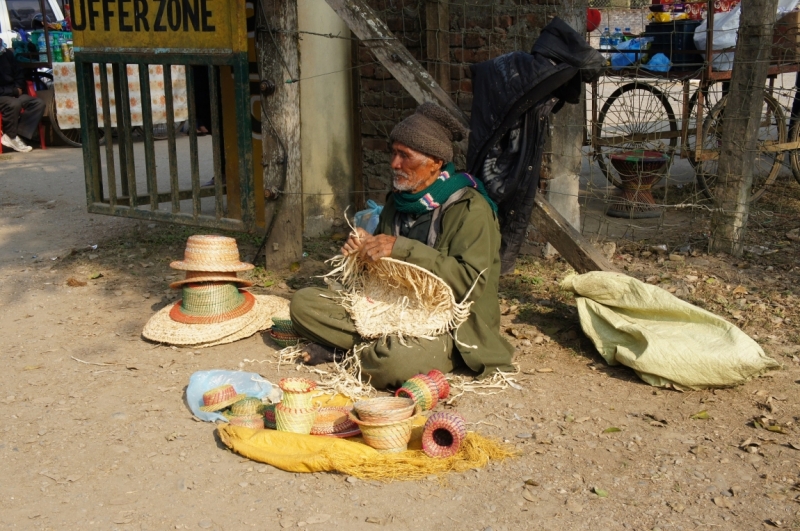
[248, 383]
[368, 219]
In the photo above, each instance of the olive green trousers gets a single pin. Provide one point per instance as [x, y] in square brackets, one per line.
[386, 362]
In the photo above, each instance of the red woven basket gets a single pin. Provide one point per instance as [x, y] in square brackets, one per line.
[443, 434]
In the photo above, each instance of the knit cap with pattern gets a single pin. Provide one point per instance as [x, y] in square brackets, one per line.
[430, 130]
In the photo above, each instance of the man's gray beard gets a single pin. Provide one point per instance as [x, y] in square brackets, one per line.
[401, 187]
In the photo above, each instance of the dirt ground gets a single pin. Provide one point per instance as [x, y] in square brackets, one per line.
[95, 434]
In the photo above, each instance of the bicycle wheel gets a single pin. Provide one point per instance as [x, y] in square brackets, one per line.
[794, 154]
[711, 96]
[635, 116]
[771, 130]
[72, 136]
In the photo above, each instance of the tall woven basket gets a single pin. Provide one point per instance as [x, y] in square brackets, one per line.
[297, 392]
[294, 420]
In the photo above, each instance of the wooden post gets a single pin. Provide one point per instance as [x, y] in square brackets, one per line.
[359, 183]
[279, 62]
[372, 31]
[740, 126]
[566, 140]
[437, 49]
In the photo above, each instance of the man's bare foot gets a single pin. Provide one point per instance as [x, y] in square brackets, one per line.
[316, 354]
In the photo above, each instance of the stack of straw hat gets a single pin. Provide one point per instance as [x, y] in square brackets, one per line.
[214, 308]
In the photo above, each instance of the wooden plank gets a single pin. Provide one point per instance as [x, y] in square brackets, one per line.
[279, 61]
[577, 250]
[437, 49]
[391, 53]
[374, 33]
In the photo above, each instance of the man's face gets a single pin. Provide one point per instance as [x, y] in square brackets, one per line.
[413, 171]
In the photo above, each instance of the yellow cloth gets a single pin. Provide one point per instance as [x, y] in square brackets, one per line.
[664, 339]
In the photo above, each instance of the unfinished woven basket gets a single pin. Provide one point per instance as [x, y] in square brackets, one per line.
[384, 409]
[294, 420]
[283, 339]
[284, 326]
[246, 406]
[390, 437]
[334, 420]
[297, 392]
[392, 297]
[443, 434]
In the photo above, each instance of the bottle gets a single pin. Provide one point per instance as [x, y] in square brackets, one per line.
[627, 35]
[41, 43]
[605, 43]
[616, 38]
[67, 17]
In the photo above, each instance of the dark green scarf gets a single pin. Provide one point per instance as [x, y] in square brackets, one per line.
[437, 193]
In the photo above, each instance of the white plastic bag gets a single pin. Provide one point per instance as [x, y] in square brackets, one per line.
[726, 31]
[248, 383]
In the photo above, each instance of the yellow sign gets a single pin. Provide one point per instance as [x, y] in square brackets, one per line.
[171, 25]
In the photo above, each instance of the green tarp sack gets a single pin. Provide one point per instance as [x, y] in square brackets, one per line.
[667, 341]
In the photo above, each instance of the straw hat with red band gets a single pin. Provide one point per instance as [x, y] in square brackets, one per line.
[193, 277]
[163, 328]
[212, 254]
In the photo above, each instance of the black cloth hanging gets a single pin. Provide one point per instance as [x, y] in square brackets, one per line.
[513, 97]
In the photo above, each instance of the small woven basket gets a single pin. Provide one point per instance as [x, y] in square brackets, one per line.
[441, 383]
[247, 406]
[331, 420]
[384, 409]
[248, 421]
[283, 326]
[269, 417]
[387, 438]
[422, 390]
[443, 434]
[284, 339]
[294, 420]
[297, 392]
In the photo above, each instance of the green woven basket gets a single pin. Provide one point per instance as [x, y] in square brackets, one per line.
[283, 326]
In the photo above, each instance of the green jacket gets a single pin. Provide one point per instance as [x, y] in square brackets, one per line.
[468, 243]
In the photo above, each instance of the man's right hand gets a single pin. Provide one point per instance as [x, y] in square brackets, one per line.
[17, 92]
[354, 241]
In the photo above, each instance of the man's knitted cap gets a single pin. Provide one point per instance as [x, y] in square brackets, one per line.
[430, 130]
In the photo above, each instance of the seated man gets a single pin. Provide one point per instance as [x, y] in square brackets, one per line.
[436, 219]
[13, 100]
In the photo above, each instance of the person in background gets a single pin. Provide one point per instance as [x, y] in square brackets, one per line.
[14, 99]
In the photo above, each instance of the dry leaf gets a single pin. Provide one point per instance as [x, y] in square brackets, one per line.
[75, 283]
[612, 429]
[600, 492]
[701, 415]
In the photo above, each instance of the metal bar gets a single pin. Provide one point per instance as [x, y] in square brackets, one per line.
[216, 128]
[147, 127]
[193, 153]
[91, 148]
[636, 137]
[122, 96]
[174, 185]
[244, 141]
[163, 197]
[111, 170]
[175, 56]
[161, 215]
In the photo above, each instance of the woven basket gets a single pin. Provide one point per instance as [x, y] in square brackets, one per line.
[269, 417]
[220, 398]
[422, 390]
[384, 409]
[246, 406]
[390, 437]
[211, 302]
[441, 383]
[297, 392]
[248, 421]
[333, 421]
[283, 325]
[443, 434]
[294, 420]
[283, 339]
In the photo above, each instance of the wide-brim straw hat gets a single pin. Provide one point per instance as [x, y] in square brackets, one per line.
[203, 276]
[392, 297]
[161, 328]
[211, 253]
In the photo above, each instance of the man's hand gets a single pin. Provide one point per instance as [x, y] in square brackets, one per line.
[374, 248]
[17, 92]
[354, 241]
[369, 247]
